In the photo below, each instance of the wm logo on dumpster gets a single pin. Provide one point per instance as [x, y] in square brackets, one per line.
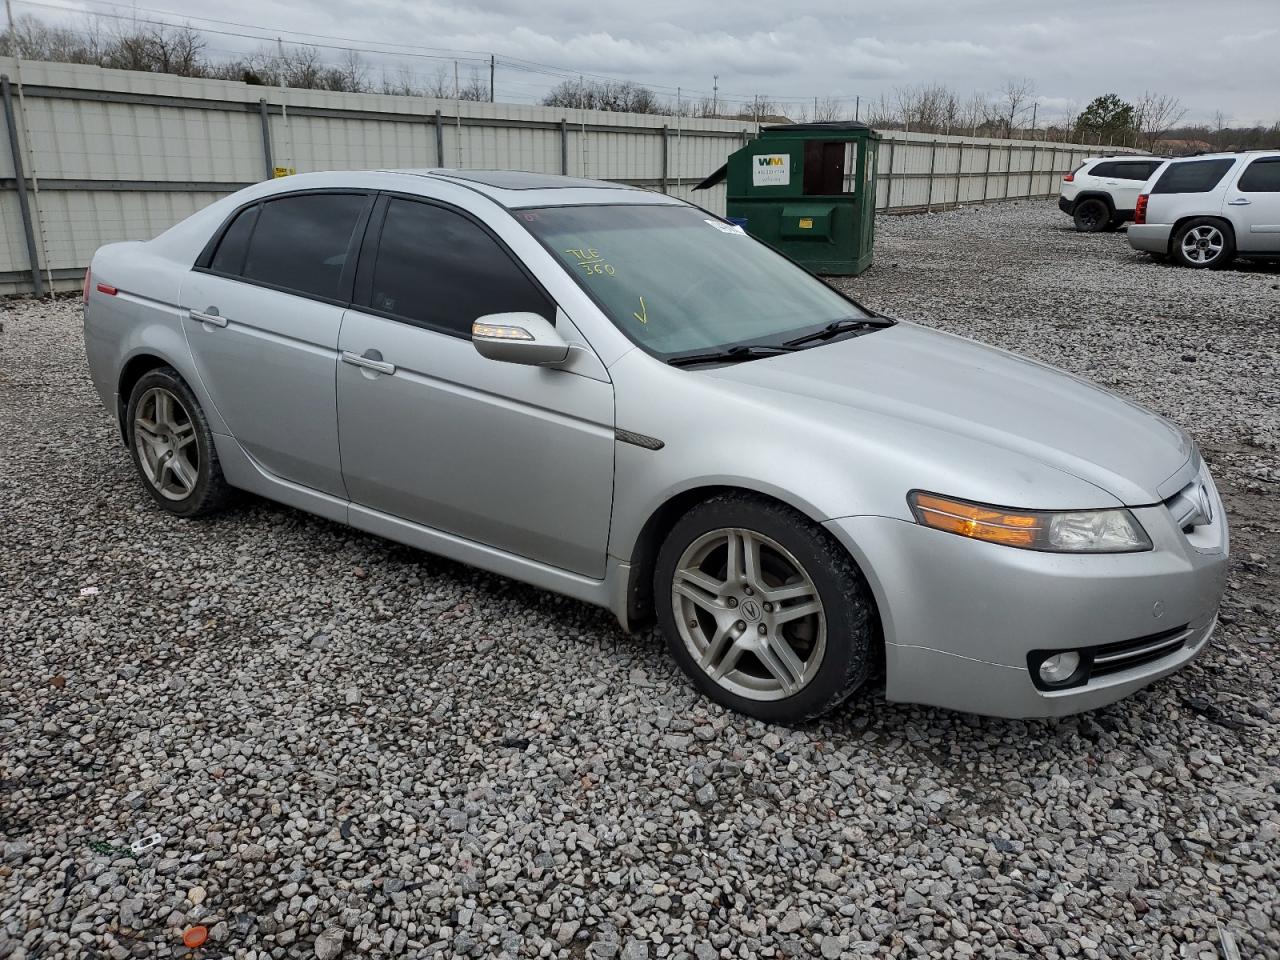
[773, 161]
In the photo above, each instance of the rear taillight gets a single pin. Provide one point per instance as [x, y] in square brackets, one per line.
[1140, 210]
[1069, 178]
[88, 278]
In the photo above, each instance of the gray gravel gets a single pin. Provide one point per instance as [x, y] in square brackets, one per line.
[314, 743]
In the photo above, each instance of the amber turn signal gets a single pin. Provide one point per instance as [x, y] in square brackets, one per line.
[977, 522]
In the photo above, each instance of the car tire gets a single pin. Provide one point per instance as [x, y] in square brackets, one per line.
[172, 446]
[742, 639]
[1091, 216]
[1204, 243]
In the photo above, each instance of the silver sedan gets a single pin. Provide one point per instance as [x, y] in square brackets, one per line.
[615, 395]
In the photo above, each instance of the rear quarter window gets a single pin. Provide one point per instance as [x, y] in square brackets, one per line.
[1192, 176]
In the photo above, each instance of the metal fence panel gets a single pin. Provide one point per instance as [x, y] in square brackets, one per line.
[122, 155]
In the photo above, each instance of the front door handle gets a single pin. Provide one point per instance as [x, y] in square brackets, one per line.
[374, 363]
[1239, 202]
[211, 316]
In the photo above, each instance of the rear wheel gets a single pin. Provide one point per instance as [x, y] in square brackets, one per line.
[764, 611]
[172, 446]
[1092, 216]
[1203, 244]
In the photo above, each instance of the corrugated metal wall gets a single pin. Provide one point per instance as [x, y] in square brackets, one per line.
[121, 155]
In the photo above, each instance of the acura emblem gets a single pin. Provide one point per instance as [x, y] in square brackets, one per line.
[750, 609]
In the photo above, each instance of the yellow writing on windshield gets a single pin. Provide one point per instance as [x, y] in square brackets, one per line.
[591, 261]
[643, 315]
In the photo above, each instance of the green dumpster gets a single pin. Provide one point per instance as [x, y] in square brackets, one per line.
[808, 190]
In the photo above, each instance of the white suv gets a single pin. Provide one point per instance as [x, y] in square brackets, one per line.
[1102, 192]
[1206, 211]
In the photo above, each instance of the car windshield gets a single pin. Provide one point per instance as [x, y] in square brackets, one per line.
[678, 280]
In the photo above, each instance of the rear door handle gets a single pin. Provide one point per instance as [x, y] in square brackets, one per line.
[211, 317]
[1239, 202]
[375, 364]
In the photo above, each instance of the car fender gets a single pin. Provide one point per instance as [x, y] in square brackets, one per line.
[122, 327]
[1102, 195]
[680, 431]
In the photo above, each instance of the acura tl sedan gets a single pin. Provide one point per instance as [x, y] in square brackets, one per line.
[612, 394]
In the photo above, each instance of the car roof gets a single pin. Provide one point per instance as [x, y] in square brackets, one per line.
[515, 189]
[1227, 155]
[1126, 156]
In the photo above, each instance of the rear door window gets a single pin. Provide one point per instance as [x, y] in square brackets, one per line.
[1192, 176]
[301, 243]
[1261, 176]
[1105, 169]
[439, 269]
[1134, 170]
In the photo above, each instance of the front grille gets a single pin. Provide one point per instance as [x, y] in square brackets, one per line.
[1126, 654]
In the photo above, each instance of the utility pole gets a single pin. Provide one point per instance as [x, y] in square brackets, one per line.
[284, 107]
[857, 105]
[715, 94]
[678, 111]
[493, 62]
[1034, 107]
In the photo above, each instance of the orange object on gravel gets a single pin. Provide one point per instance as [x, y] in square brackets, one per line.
[195, 937]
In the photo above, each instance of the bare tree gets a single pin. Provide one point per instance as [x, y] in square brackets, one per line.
[622, 97]
[401, 82]
[882, 113]
[1154, 114]
[1219, 124]
[1016, 97]
[351, 75]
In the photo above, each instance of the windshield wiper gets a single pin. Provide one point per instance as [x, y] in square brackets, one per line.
[732, 355]
[837, 327]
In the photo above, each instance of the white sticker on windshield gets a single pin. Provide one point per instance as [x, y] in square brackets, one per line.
[728, 227]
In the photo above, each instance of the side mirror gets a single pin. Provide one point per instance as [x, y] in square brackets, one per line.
[519, 338]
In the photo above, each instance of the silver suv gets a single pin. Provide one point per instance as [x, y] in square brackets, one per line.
[1102, 192]
[1205, 212]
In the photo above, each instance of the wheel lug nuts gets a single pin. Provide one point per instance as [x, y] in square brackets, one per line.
[768, 607]
[762, 630]
[747, 590]
[740, 625]
[733, 601]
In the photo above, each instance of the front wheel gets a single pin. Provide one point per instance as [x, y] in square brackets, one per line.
[764, 610]
[1203, 244]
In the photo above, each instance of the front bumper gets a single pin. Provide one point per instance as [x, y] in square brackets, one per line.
[960, 617]
[1151, 237]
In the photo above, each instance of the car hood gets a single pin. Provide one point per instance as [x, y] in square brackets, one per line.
[920, 376]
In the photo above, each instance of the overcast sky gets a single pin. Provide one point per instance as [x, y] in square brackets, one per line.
[1211, 54]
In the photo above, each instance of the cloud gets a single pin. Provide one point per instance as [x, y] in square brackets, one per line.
[810, 48]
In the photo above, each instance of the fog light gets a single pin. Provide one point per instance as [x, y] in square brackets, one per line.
[1060, 667]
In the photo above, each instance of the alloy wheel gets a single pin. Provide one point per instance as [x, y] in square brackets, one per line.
[1091, 215]
[165, 438]
[749, 614]
[1203, 244]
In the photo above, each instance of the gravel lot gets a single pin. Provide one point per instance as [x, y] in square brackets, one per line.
[341, 746]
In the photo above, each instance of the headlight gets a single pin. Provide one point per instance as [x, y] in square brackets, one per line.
[1070, 531]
